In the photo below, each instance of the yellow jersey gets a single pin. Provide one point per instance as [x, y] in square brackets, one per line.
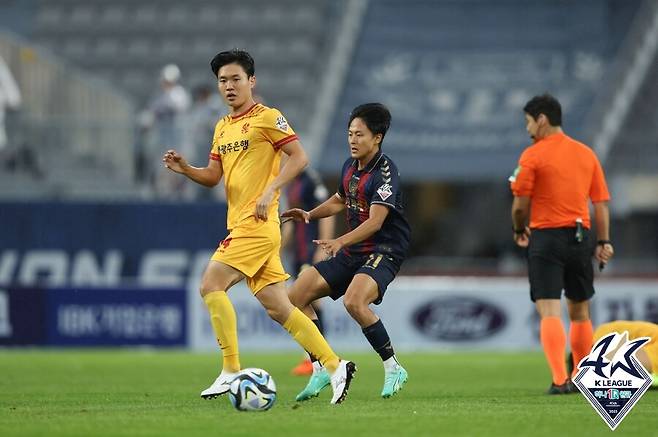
[248, 146]
[636, 329]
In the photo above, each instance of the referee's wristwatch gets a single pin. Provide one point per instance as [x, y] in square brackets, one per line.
[603, 242]
[519, 231]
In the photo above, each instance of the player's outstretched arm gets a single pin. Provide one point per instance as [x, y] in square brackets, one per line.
[326, 228]
[296, 214]
[208, 176]
[329, 207]
[377, 215]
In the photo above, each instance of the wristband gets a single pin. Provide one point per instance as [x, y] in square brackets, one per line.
[603, 242]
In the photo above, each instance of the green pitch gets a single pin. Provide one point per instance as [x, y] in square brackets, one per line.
[135, 393]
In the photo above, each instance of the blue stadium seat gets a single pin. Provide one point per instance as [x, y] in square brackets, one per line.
[82, 16]
[49, 16]
[457, 73]
[112, 15]
[130, 36]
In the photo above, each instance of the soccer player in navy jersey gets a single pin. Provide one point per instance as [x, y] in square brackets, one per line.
[367, 258]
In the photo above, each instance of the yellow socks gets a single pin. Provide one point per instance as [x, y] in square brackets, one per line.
[304, 332]
[300, 327]
[225, 325]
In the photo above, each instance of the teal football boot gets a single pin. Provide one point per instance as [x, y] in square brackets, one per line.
[394, 380]
[319, 380]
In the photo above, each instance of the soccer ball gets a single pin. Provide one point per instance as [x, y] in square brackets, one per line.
[252, 390]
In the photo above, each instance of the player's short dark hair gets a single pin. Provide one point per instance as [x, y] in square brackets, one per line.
[545, 104]
[375, 115]
[233, 56]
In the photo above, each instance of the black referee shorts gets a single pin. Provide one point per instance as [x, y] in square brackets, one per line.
[556, 262]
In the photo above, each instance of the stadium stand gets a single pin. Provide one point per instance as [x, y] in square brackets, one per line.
[636, 149]
[72, 132]
[456, 74]
[128, 42]
[122, 45]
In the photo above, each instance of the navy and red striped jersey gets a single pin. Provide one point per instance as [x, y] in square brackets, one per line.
[306, 191]
[378, 182]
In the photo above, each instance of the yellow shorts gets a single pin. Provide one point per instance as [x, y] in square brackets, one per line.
[253, 249]
[635, 330]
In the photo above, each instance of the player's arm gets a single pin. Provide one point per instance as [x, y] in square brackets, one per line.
[328, 208]
[604, 251]
[378, 214]
[599, 195]
[326, 227]
[296, 162]
[208, 176]
[286, 234]
[520, 214]
[522, 183]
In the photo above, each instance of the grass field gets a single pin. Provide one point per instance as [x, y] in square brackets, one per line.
[135, 392]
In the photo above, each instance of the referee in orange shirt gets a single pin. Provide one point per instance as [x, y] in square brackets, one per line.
[552, 184]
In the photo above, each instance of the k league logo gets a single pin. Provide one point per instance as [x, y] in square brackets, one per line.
[611, 378]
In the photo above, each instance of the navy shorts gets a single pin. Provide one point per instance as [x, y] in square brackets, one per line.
[340, 270]
[556, 262]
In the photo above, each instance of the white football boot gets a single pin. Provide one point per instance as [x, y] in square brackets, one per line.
[340, 380]
[220, 386]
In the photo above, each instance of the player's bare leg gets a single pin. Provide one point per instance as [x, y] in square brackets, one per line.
[217, 280]
[363, 291]
[276, 302]
[307, 288]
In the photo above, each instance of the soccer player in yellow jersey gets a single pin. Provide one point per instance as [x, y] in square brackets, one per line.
[647, 355]
[246, 150]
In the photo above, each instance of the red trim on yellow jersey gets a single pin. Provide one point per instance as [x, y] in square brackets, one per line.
[236, 117]
[215, 157]
[284, 141]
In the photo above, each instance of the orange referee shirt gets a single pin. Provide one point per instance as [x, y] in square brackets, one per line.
[559, 174]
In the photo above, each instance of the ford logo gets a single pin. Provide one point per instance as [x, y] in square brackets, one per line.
[459, 319]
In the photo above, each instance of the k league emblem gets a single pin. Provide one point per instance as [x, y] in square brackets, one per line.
[385, 191]
[281, 123]
[611, 378]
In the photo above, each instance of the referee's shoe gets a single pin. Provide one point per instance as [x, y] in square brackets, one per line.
[563, 389]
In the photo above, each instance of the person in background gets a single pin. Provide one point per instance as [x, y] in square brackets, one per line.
[647, 355]
[200, 123]
[163, 119]
[10, 98]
